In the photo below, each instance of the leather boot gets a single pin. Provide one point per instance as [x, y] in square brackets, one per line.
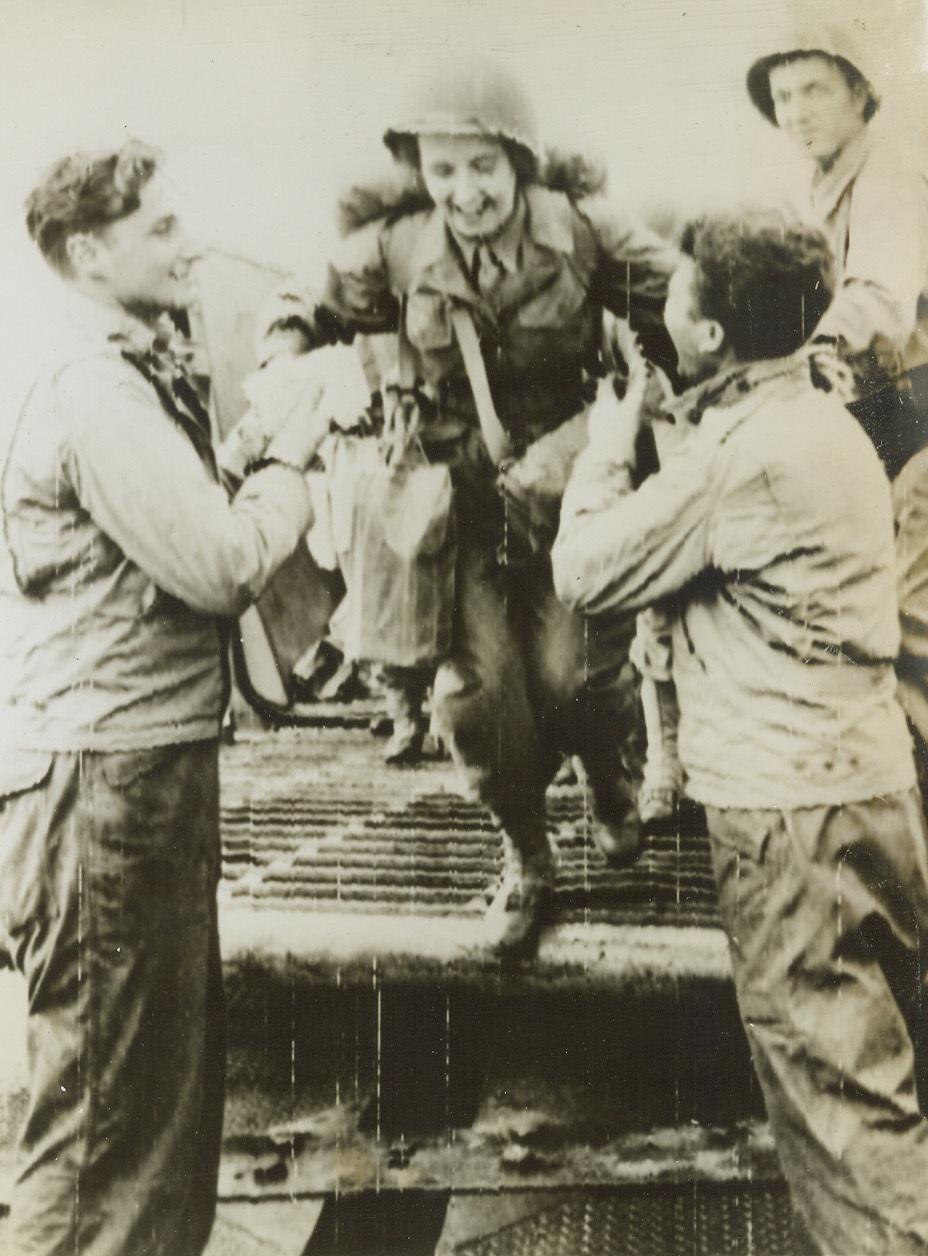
[522, 903]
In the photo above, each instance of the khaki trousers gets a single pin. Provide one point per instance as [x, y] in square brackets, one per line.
[826, 910]
[528, 681]
[108, 873]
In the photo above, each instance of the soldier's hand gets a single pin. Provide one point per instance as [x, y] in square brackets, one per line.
[404, 411]
[615, 423]
[284, 342]
[307, 425]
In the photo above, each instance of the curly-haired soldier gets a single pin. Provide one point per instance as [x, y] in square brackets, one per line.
[776, 557]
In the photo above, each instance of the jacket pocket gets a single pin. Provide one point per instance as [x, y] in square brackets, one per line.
[556, 305]
[27, 894]
[149, 860]
[428, 322]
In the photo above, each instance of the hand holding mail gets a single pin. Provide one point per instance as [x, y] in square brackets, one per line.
[283, 387]
[307, 426]
[345, 390]
[326, 385]
[402, 419]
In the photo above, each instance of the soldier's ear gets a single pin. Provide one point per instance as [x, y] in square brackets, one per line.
[861, 95]
[85, 255]
[711, 336]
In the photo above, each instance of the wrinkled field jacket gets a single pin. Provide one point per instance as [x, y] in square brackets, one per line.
[873, 205]
[775, 558]
[539, 328]
[123, 553]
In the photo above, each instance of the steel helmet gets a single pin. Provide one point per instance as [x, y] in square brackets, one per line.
[469, 98]
[842, 43]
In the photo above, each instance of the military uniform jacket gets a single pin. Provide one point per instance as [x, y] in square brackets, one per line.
[539, 327]
[780, 583]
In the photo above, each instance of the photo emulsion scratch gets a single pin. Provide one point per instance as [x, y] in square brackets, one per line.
[464, 628]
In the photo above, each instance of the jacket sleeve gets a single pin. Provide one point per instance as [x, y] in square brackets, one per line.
[633, 269]
[886, 268]
[141, 481]
[623, 549]
[355, 297]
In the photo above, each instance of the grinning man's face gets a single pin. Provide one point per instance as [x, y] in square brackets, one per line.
[816, 106]
[471, 180]
[144, 261]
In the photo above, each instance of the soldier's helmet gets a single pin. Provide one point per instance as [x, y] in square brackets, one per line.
[471, 97]
[841, 43]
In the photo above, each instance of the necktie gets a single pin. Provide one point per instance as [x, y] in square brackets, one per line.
[166, 368]
[486, 268]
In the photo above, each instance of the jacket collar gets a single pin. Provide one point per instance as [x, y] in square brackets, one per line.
[828, 187]
[506, 245]
[88, 323]
[435, 264]
[816, 363]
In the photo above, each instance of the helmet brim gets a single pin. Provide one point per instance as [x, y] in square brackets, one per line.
[399, 139]
[758, 83]
[758, 78]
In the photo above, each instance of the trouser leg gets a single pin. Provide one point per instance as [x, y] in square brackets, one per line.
[483, 711]
[661, 719]
[662, 772]
[824, 909]
[606, 733]
[910, 504]
[583, 689]
[404, 690]
[482, 707]
[120, 1146]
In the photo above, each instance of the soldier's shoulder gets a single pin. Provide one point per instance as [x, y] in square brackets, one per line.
[391, 238]
[893, 158]
[558, 218]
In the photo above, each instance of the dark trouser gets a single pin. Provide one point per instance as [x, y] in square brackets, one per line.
[826, 910]
[526, 682]
[404, 690]
[108, 875]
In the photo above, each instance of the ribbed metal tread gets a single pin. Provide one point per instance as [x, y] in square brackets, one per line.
[692, 1219]
[312, 818]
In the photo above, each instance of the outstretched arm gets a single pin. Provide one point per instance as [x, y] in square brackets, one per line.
[618, 547]
[355, 297]
[886, 267]
[634, 268]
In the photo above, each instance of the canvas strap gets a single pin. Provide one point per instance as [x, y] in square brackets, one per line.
[493, 432]
[406, 367]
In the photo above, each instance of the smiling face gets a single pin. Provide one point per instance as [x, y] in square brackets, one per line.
[816, 106]
[144, 261]
[471, 180]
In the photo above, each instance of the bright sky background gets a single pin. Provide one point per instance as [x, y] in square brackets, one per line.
[265, 107]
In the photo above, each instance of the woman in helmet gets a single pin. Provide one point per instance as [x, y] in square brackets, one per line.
[483, 236]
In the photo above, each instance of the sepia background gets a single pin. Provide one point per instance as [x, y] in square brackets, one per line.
[266, 107]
